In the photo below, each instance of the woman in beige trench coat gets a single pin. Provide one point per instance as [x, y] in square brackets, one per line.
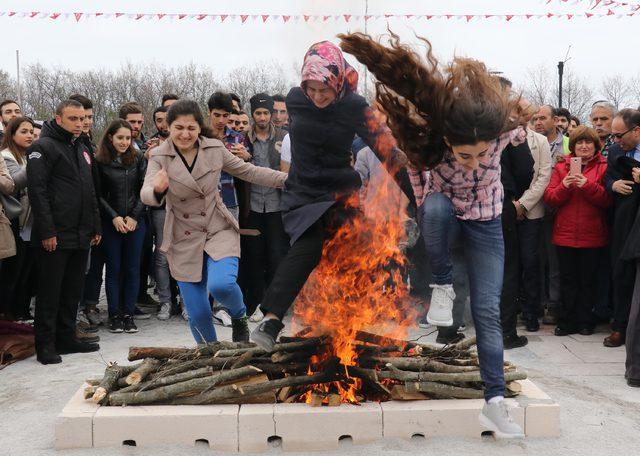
[201, 237]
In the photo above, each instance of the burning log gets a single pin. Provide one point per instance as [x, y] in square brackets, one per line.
[424, 364]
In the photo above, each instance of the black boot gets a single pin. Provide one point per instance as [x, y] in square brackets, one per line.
[65, 347]
[240, 329]
[47, 355]
[266, 333]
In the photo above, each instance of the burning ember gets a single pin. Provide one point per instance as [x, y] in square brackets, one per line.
[358, 285]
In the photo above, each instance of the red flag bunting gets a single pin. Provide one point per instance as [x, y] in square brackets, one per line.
[160, 16]
[286, 18]
[99, 14]
[588, 15]
[366, 18]
[509, 17]
[306, 18]
[119, 14]
[408, 16]
[610, 13]
[550, 15]
[569, 16]
[487, 16]
[469, 17]
[429, 17]
[78, 16]
[34, 13]
[347, 17]
[12, 13]
[55, 16]
[139, 16]
[223, 17]
[244, 17]
[181, 16]
[529, 16]
[264, 18]
[449, 16]
[324, 18]
[201, 16]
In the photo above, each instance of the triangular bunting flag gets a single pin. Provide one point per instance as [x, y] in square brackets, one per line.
[244, 17]
[78, 16]
[286, 18]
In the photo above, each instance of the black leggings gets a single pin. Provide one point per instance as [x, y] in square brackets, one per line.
[302, 258]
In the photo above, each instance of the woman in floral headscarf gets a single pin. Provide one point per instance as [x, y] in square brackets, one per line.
[325, 114]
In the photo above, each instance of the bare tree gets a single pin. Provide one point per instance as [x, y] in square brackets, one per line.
[7, 86]
[246, 81]
[616, 89]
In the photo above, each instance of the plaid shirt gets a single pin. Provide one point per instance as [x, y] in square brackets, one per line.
[227, 186]
[476, 194]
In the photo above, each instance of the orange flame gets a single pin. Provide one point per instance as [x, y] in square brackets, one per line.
[358, 283]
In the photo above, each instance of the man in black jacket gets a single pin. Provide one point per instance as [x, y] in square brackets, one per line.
[66, 223]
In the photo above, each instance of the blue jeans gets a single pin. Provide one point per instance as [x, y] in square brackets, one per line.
[219, 278]
[483, 249]
[122, 253]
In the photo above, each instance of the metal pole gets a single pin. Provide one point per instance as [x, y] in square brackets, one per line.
[560, 73]
[18, 77]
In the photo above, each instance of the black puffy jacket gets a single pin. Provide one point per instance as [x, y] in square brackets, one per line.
[61, 189]
[120, 187]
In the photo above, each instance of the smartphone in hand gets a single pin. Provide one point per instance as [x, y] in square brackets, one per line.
[575, 166]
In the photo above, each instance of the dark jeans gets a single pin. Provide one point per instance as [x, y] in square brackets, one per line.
[60, 284]
[263, 254]
[483, 248]
[529, 234]
[577, 273]
[301, 259]
[122, 254]
[633, 332]
[549, 263]
[93, 279]
[511, 281]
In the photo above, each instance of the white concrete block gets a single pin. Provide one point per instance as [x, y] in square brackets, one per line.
[542, 420]
[167, 425]
[74, 426]
[255, 426]
[305, 428]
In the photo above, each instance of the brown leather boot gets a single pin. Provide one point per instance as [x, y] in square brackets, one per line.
[82, 336]
[616, 339]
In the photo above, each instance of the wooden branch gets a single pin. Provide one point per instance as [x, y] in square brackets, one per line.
[234, 394]
[89, 391]
[148, 366]
[218, 363]
[169, 392]
[371, 338]
[404, 376]
[312, 342]
[444, 391]
[400, 393]
[370, 378]
[287, 357]
[466, 343]
[243, 360]
[424, 364]
[161, 353]
[111, 375]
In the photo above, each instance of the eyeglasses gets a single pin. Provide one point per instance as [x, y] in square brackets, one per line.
[620, 135]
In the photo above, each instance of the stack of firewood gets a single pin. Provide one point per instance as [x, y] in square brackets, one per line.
[298, 369]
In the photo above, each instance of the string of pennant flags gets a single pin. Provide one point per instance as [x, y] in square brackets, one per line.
[347, 18]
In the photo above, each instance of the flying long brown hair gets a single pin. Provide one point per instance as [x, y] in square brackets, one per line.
[464, 103]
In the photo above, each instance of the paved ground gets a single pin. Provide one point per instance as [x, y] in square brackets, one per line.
[600, 414]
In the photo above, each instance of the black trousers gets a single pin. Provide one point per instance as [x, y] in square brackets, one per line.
[633, 332]
[301, 259]
[263, 255]
[578, 286]
[18, 279]
[529, 235]
[509, 306]
[623, 278]
[60, 287]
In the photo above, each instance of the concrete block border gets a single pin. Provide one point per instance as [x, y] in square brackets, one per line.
[252, 428]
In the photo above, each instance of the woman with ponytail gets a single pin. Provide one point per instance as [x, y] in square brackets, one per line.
[454, 122]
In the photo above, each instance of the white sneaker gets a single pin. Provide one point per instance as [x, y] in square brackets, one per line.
[221, 317]
[165, 311]
[441, 305]
[496, 418]
[257, 316]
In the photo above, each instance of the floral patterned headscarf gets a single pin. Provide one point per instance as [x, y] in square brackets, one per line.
[325, 63]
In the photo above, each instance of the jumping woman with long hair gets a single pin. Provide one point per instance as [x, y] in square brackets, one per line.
[454, 122]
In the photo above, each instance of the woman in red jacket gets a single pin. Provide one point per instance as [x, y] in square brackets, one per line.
[580, 228]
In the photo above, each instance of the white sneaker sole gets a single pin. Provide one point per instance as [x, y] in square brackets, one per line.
[490, 425]
[439, 322]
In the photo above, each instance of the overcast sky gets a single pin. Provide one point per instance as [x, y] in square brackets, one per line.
[511, 47]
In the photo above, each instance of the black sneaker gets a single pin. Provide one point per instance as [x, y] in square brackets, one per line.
[240, 329]
[266, 333]
[129, 324]
[532, 325]
[515, 341]
[140, 315]
[116, 325]
[586, 331]
[449, 340]
[564, 331]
